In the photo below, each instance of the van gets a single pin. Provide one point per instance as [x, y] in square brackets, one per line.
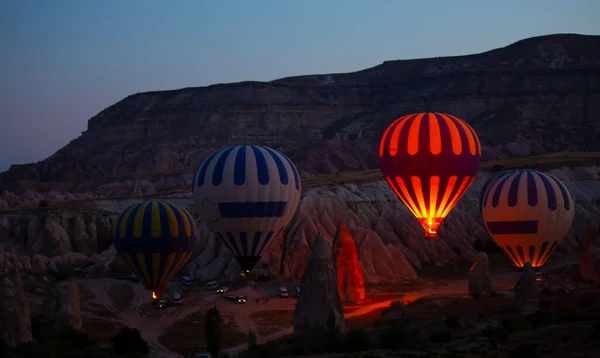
[211, 285]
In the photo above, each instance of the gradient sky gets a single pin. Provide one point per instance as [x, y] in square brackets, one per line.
[63, 61]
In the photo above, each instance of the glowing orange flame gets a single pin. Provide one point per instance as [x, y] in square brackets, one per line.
[431, 226]
[153, 295]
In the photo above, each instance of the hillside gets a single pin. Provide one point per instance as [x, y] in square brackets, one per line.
[537, 96]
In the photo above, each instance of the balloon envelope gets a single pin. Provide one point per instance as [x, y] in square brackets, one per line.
[528, 213]
[429, 160]
[247, 194]
[491, 181]
[156, 239]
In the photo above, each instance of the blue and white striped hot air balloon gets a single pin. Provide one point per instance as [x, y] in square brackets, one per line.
[247, 195]
[527, 213]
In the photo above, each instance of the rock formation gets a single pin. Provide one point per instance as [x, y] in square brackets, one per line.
[351, 283]
[61, 305]
[15, 317]
[589, 241]
[319, 291]
[479, 278]
[389, 240]
[56, 233]
[526, 291]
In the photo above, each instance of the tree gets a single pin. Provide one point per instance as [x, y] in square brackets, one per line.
[251, 341]
[129, 342]
[334, 335]
[212, 331]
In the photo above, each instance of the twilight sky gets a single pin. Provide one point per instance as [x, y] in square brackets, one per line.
[63, 61]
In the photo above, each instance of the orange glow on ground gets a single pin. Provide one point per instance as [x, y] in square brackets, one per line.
[153, 295]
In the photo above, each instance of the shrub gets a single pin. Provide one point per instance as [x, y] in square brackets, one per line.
[452, 321]
[442, 336]
[396, 337]
[129, 342]
[516, 324]
[526, 351]
[357, 340]
[78, 339]
[495, 334]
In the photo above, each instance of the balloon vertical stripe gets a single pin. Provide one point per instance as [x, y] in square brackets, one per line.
[261, 166]
[283, 173]
[239, 170]
[201, 172]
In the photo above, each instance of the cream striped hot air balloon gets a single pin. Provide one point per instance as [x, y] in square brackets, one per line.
[247, 194]
[527, 213]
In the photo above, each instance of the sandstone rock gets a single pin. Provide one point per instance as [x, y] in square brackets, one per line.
[84, 238]
[61, 305]
[479, 278]
[47, 237]
[5, 227]
[351, 283]
[15, 317]
[526, 291]
[319, 292]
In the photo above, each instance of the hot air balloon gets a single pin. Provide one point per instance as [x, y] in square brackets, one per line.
[156, 239]
[528, 213]
[247, 195]
[429, 160]
[491, 181]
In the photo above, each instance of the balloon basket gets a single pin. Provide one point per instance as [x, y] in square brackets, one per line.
[431, 237]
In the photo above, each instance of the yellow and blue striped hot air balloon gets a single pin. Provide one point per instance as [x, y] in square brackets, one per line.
[156, 239]
[528, 213]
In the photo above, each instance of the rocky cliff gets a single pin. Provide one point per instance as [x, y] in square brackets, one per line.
[536, 96]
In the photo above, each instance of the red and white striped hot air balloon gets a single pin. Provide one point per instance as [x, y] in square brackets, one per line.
[429, 160]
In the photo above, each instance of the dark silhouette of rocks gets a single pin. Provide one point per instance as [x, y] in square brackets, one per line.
[526, 291]
[479, 278]
[319, 292]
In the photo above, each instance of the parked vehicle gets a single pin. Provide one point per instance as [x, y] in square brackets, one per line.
[541, 276]
[211, 285]
[283, 292]
[238, 299]
[222, 289]
[186, 280]
[162, 304]
[176, 298]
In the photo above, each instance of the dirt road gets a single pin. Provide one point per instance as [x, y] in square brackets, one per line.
[455, 287]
